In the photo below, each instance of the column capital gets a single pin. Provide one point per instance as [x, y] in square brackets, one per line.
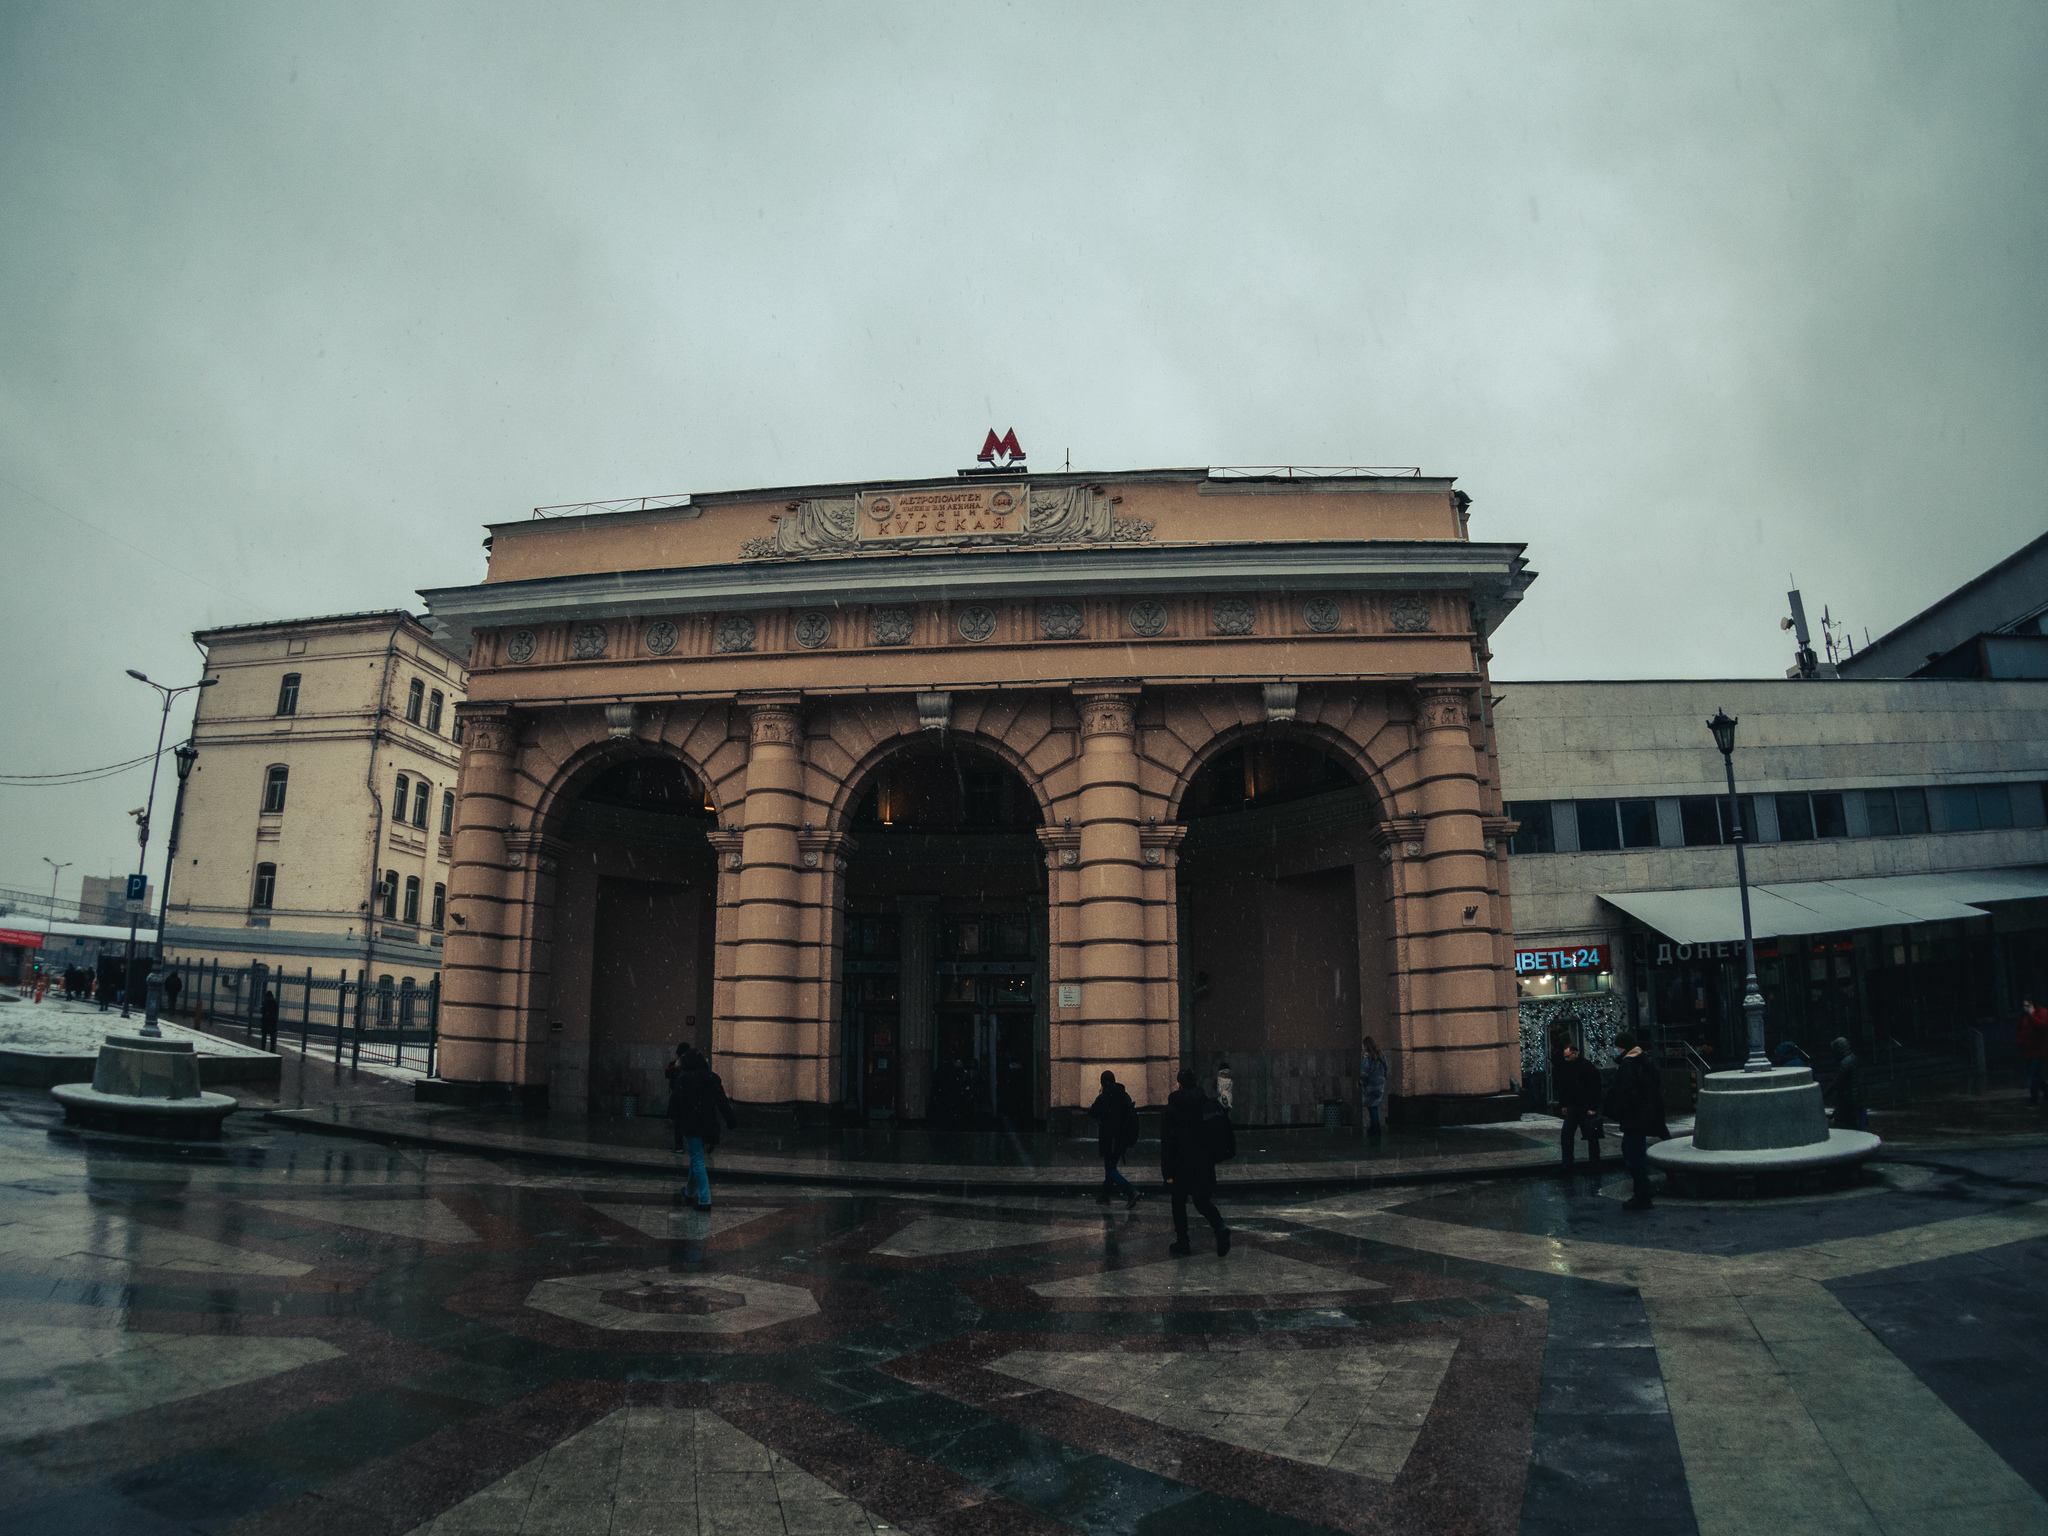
[489, 726]
[1442, 708]
[826, 850]
[1106, 710]
[773, 719]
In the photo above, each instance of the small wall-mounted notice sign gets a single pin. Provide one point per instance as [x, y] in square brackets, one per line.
[1070, 994]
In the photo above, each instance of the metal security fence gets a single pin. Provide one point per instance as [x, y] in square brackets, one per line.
[352, 1017]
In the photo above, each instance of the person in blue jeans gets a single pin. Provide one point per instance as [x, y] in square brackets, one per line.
[696, 1105]
[1116, 1120]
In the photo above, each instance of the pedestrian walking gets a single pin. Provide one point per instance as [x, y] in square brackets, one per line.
[2033, 1035]
[1578, 1101]
[1850, 1115]
[173, 985]
[696, 1105]
[1116, 1132]
[269, 1017]
[1372, 1085]
[1194, 1136]
[1635, 1103]
[1226, 1086]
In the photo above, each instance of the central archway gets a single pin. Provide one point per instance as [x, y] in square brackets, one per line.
[943, 1004]
[1283, 925]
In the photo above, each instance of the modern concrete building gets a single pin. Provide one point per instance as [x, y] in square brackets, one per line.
[104, 899]
[1898, 862]
[1989, 627]
[943, 796]
[316, 826]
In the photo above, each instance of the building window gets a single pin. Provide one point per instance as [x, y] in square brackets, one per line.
[422, 794]
[412, 898]
[390, 893]
[1802, 818]
[415, 697]
[398, 798]
[1977, 807]
[266, 886]
[455, 731]
[273, 788]
[1638, 823]
[1537, 834]
[434, 702]
[1895, 811]
[440, 906]
[1706, 822]
[447, 813]
[288, 694]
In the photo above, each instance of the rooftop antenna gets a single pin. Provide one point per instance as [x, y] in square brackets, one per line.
[1808, 663]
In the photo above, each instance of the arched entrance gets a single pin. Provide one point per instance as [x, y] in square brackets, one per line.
[635, 895]
[943, 971]
[1283, 927]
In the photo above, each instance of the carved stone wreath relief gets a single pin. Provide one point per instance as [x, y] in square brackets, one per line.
[813, 630]
[1059, 621]
[1147, 617]
[1234, 616]
[520, 647]
[736, 633]
[892, 626]
[1320, 614]
[1409, 615]
[587, 644]
[977, 623]
[660, 638]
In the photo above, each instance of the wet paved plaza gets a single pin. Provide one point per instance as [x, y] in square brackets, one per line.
[296, 1332]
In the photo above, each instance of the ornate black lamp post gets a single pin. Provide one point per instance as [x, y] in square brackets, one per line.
[1723, 728]
[142, 858]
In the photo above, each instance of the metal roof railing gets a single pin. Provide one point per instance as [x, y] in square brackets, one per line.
[1313, 471]
[624, 504]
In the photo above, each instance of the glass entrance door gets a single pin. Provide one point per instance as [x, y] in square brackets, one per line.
[985, 1040]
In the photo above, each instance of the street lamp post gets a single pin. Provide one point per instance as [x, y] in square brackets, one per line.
[1723, 728]
[55, 870]
[142, 858]
[185, 754]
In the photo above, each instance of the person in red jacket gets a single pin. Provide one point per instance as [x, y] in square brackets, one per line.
[2033, 1034]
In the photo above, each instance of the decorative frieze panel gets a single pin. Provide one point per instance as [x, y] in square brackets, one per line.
[972, 512]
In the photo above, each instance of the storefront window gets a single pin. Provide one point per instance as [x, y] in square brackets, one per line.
[1536, 834]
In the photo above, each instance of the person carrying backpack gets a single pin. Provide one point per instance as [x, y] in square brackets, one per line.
[696, 1104]
[1116, 1120]
[1194, 1136]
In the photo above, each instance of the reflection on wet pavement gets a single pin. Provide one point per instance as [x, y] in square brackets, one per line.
[296, 1333]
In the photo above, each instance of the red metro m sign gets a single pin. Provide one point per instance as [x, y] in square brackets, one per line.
[1004, 447]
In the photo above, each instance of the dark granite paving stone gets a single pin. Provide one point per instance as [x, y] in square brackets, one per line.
[208, 1490]
[1603, 1393]
[1628, 1525]
[1977, 1338]
[1208, 1514]
[94, 1508]
[1567, 1360]
[1605, 1468]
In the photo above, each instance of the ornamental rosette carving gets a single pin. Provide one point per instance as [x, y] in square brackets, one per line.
[588, 642]
[1409, 615]
[1234, 616]
[813, 630]
[660, 638]
[1321, 615]
[1147, 618]
[520, 646]
[736, 633]
[892, 626]
[1059, 621]
[977, 623]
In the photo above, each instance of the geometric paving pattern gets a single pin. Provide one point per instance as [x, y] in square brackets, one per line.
[1354, 1410]
[656, 1472]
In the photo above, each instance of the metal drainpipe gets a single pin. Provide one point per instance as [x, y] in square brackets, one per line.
[377, 802]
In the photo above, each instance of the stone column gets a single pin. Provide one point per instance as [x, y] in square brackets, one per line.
[480, 974]
[1458, 1045]
[766, 1012]
[824, 856]
[916, 952]
[1114, 1013]
[1159, 847]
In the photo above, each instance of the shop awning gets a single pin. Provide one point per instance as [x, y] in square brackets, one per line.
[1714, 915]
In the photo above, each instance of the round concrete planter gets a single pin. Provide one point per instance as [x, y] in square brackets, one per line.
[1761, 1133]
[146, 1087]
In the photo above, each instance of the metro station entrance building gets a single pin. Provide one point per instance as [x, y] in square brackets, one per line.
[933, 799]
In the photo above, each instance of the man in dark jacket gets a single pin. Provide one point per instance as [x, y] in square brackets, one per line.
[1850, 1114]
[1116, 1132]
[1187, 1165]
[696, 1104]
[1635, 1103]
[1578, 1100]
[2033, 1042]
[269, 1020]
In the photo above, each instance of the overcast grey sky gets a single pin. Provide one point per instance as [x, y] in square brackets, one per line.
[295, 297]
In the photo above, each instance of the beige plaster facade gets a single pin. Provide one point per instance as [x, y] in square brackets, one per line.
[293, 874]
[1098, 644]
